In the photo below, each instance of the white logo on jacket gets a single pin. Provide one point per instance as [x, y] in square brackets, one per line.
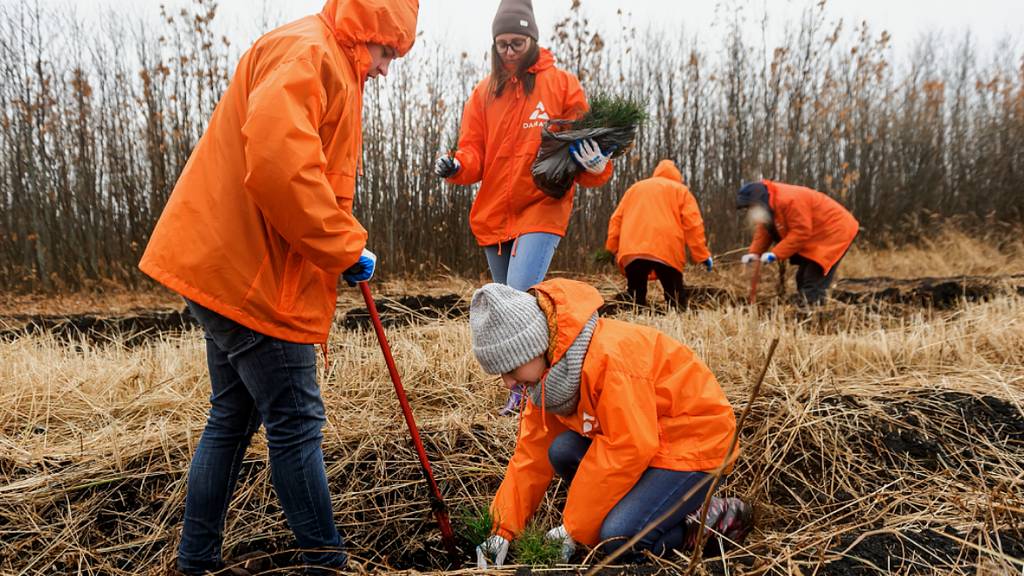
[590, 423]
[538, 117]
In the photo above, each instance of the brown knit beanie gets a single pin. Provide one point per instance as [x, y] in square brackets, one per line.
[515, 17]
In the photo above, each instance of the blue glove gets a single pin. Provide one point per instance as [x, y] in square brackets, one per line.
[362, 270]
[768, 258]
[709, 264]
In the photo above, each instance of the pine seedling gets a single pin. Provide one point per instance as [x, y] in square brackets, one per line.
[533, 549]
[607, 111]
[475, 524]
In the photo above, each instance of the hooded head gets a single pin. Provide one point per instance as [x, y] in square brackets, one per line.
[667, 169]
[356, 23]
[752, 193]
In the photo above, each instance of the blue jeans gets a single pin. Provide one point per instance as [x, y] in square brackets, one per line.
[655, 492]
[258, 379]
[533, 253]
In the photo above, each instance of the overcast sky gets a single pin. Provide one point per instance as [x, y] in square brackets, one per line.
[465, 24]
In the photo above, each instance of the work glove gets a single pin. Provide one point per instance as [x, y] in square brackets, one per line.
[494, 547]
[446, 166]
[362, 270]
[748, 259]
[768, 258]
[588, 154]
[709, 264]
[560, 534]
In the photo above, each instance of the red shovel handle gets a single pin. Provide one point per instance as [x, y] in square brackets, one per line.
[436, 500]
[755, 279]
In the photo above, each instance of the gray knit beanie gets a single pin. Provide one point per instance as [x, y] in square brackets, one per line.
[515, 17]
[509, 328]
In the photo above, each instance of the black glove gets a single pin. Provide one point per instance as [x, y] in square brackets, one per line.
[446, 166]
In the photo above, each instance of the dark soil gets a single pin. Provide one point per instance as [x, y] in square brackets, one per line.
[938, 293]
[408, 310]
[131, 329]
[700, 297]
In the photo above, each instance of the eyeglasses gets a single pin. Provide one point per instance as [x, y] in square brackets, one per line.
[517, 45]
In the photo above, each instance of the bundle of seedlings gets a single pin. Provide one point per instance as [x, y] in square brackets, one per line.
[612, 122]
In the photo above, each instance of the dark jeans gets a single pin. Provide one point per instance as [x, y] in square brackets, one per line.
[655, 492]
[637, 273]
[812, 283]
[258, 379]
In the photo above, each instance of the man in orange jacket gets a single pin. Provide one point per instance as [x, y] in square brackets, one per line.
[656, 220]
[630, 418]
[254, 236]
[809, 228]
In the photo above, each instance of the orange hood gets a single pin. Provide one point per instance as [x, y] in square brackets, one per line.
[568, 305]
[667, 169]
[386, 22]
[544, 61]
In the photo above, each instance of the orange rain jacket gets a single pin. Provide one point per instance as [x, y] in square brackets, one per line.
[498, 143]
[260, 224]
[645, 400]
[810, 224]
[657, 219]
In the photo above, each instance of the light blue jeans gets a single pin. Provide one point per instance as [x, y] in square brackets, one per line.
[528, 266]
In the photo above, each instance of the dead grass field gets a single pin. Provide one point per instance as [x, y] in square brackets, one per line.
[888, 439]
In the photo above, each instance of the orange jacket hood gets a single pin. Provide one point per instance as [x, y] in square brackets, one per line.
[658, 219]
[386, 22]
[667, 169]
[544, 61]
[568, 305]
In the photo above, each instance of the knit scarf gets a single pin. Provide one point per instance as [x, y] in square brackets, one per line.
[559, 391]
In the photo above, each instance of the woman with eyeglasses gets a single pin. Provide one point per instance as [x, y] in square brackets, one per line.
[517, 225]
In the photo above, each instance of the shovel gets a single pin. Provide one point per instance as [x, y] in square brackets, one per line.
[437, 504]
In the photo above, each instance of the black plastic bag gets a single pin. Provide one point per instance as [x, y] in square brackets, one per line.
[554, 171]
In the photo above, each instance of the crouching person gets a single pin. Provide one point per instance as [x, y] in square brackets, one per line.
[806, 226]
[627, 416]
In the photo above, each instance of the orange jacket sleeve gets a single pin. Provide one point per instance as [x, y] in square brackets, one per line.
[615, 228]
[762, 240]
[528, 475]
[285, 168]
[472, 139]
[693, 228]
[799, 224]
[618, 456]
[576, 103]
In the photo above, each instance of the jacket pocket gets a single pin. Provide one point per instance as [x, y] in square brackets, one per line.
[291, 280]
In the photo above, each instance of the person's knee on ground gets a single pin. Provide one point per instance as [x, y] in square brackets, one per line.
[566, 452]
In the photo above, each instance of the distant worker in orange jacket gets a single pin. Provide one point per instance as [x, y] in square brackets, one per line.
[809, 228]
[630, 419]
[518, 225]
[254, 236]
[656, 220]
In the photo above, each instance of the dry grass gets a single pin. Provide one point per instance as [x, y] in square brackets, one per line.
[949, 251]
[869, 433]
